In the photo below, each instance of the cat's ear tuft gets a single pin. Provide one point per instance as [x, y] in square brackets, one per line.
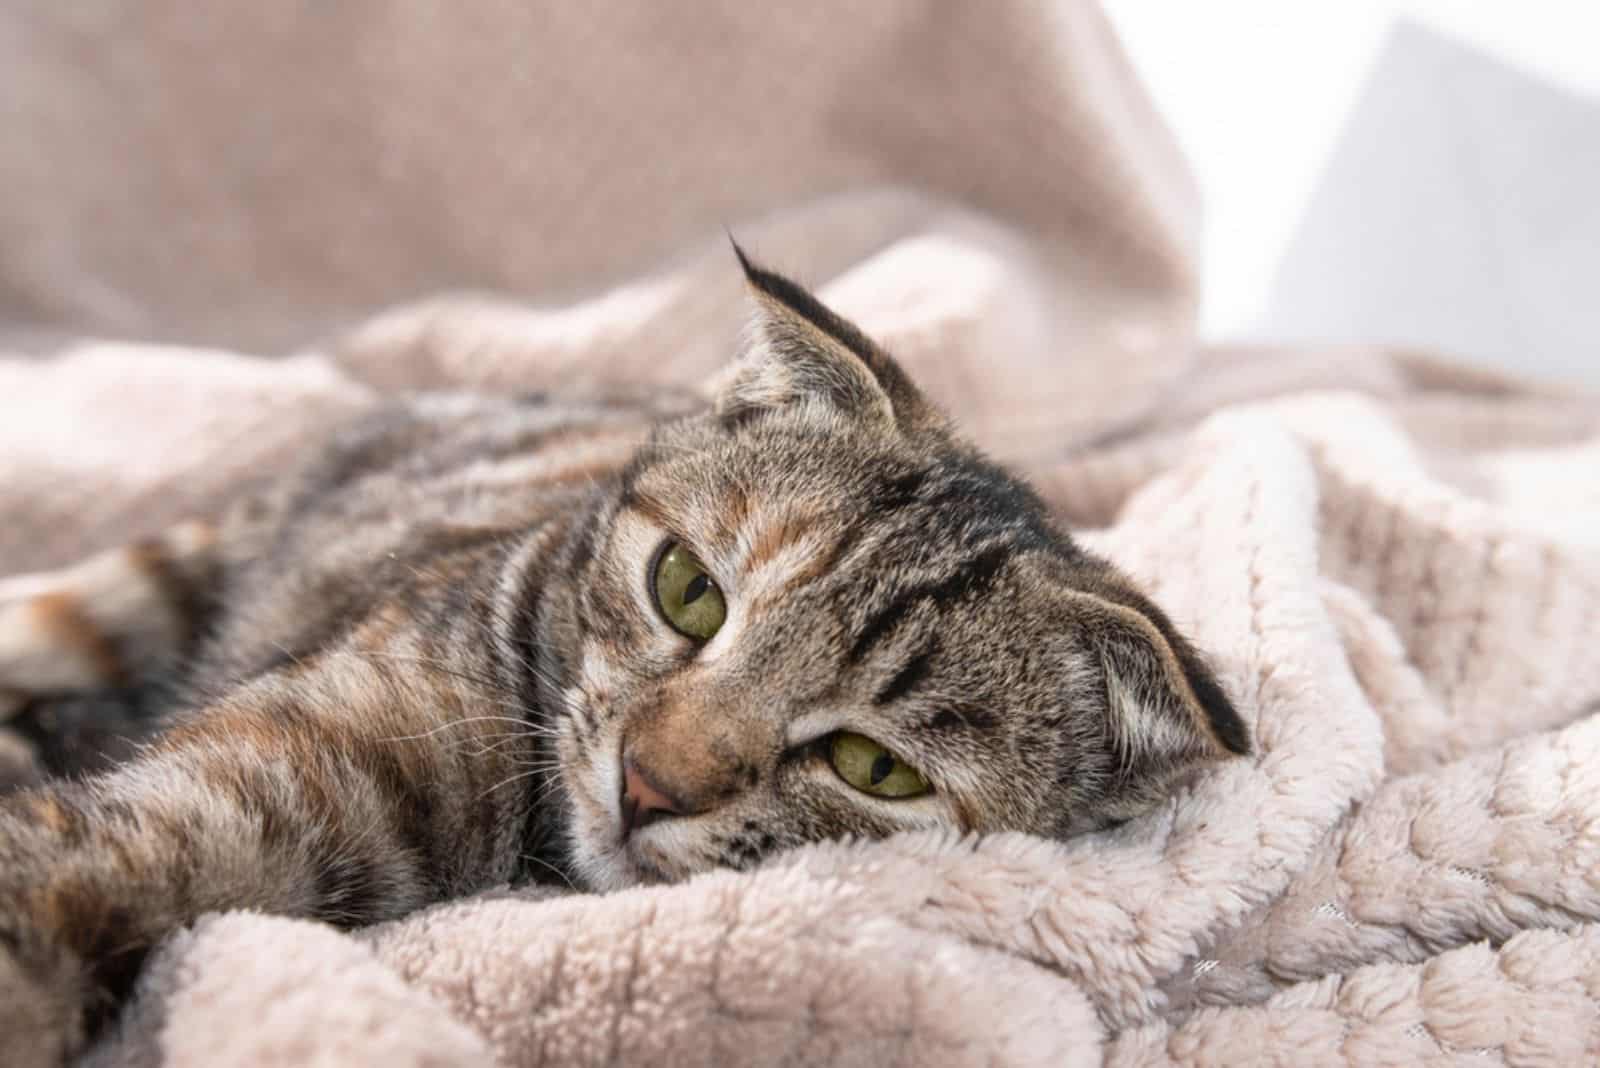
[799, 352]
[1166, 712]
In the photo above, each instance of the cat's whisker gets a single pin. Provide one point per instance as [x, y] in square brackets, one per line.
[557, 872]
[505, 696]
[538, 758]
[442, 666]
[506, 747]
[549, 759]
[453, 723]
[518, 748]
[495, 743]
[293, 657]
[510, 779]
[535, 766]
[537, 732]
[546, 790]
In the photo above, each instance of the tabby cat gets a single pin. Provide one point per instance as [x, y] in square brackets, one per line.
[481, 639]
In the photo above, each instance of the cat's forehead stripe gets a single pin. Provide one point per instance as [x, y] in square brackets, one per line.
[971, 575]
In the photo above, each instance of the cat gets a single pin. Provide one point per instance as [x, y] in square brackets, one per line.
[613, 641]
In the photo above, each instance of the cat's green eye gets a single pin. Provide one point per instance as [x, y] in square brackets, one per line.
[872, 769]
[686, 594]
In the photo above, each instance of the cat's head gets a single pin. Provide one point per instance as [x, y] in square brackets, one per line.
[812, 611]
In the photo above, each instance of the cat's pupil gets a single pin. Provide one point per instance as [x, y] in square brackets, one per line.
[697, 587]
[881, 768]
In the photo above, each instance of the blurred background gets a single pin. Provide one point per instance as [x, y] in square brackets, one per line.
[1419, 172]
[1411, 173]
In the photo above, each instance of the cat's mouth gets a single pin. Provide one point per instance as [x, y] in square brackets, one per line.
[618, 843]
[640, 804]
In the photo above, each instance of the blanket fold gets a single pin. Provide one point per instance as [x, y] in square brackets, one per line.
[1393, 562]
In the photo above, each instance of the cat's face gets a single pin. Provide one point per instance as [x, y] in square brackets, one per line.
[813, 613]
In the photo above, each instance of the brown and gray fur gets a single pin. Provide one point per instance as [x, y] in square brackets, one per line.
[414, 669]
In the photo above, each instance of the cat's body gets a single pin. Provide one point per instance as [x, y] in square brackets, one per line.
[606, 641]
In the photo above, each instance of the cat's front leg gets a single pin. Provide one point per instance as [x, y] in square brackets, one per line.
[343, 796]
[47, 992]
[42, 1002]
[90, 879]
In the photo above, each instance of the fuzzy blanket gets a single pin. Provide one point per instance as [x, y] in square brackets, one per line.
[1394, 562]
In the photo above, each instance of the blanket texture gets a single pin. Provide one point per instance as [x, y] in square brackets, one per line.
[1394, 562]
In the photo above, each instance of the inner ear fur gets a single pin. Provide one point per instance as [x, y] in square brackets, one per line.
[802, 352]
[1165, 710]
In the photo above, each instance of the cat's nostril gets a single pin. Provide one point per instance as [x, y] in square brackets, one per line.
[643, 802]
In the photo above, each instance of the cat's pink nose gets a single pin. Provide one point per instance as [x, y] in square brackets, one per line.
[643, 802]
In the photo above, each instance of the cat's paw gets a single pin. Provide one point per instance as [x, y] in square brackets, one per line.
[48, 642]
[104, 621]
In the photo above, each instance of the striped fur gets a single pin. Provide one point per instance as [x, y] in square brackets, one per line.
[415, 668]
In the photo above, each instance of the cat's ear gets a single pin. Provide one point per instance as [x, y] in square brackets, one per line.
[800, 352]
[1165, 711]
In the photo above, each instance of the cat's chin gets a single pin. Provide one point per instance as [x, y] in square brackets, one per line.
[622, 865]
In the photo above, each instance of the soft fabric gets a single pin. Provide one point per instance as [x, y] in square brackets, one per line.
[1394, 563]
